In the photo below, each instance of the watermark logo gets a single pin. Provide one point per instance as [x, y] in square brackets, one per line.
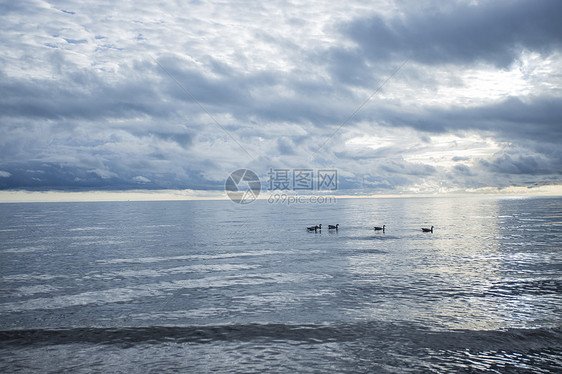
[283, 198]
[303, 179]
[243, 186]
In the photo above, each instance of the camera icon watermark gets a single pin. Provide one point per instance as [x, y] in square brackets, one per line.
[242, 186]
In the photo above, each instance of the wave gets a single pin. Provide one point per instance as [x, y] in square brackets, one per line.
[126, 294]
[146, 260]
[374, 335]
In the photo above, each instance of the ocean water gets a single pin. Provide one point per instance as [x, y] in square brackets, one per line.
[213, 286]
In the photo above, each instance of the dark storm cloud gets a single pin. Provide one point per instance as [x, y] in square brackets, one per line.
[246, 96]
[190, 83]
[58, 176]
[492, 31]
[51, 176]
[184, 140]
[78, 95]
[135, 102]
[521, 164]
[537, 119]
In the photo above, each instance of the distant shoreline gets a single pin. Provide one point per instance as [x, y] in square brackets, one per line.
[22, 196]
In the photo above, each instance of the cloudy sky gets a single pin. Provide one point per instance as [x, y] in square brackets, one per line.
[398, 96]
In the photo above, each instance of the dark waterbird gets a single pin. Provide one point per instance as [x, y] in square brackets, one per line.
[332, 227]
[378, 228]
[314, 228]
[425, 229]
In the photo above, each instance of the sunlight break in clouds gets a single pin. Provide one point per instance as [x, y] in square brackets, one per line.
[174, 96]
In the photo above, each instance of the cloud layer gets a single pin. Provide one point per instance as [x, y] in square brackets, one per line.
[134, 95]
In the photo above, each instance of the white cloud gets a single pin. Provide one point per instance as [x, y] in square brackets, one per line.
[103, 173]
[141, 179]
[444, 150]
[86, 104]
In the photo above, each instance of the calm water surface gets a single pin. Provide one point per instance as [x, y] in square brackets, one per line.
[215, 286]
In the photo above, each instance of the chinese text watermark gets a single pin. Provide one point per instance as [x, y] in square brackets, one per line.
[243, 186]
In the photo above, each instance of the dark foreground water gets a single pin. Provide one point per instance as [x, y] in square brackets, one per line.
[218, 287]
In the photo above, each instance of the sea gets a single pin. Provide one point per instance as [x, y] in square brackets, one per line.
[215, 286]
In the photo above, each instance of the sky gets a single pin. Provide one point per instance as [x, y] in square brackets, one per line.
[400, 97]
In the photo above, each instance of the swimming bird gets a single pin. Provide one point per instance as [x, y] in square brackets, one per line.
[312, 228]
[424, 229]
[378, 228]
[331, 227]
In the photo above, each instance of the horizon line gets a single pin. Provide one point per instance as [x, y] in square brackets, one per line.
[26, 196]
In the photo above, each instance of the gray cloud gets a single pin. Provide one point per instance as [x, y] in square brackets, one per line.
[520, 164]
[491, 31]
[536, 118]
[88, 102]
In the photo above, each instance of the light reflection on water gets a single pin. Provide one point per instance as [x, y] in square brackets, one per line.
[490, 265]
[460, 276]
